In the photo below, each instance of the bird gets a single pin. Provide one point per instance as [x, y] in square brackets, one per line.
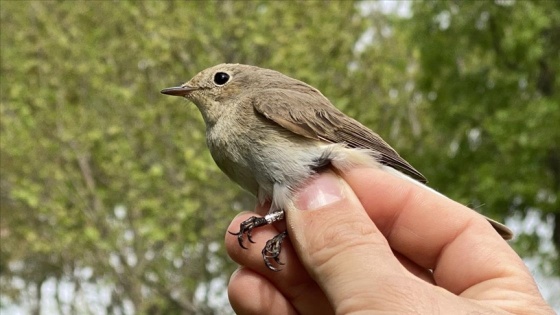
[271, 133]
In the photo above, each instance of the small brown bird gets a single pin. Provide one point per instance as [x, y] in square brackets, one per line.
[270, 133]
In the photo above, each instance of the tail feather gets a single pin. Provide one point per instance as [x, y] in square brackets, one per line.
[503, 230]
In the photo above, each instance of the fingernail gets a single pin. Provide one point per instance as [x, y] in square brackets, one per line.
[321, 191]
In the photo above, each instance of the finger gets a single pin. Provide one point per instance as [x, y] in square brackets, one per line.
[251, 293]
[422, 273]
[435, 232]
[292, 280]
[342, 249]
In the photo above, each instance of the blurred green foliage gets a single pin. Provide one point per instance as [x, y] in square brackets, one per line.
[105, 181]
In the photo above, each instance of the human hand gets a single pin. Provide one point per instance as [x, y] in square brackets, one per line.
[372, 242]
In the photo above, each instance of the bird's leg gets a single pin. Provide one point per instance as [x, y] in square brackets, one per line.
[272, 250]
[247, 226]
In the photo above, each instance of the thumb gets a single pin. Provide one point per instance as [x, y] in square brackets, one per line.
[337, 242]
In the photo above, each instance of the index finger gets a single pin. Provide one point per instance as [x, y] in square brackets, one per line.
[435, 232]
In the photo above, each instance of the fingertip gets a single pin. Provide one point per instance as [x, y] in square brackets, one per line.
[337, 241]
[323, 190]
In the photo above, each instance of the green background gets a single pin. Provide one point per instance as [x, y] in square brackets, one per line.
[107, 186]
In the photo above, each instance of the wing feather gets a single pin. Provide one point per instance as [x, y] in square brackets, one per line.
[313, 116]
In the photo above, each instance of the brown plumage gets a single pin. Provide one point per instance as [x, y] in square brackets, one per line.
[270, 133]
[316, 118]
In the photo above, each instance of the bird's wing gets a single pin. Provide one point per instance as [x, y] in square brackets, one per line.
[311, 115]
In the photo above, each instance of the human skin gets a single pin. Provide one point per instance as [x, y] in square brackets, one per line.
[369, 242]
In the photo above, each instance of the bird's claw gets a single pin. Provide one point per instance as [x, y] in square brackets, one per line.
[272, 250]
[273, 247]
[246, 227]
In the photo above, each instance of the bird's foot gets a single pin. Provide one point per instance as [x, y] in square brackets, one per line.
[272, 251]
[273, 246]
[246, 227]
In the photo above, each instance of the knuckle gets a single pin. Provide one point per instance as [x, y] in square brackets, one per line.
[343, 236]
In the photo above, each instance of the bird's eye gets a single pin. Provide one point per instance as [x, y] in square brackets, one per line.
[221, 78]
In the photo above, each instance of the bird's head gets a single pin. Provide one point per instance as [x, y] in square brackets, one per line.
[225, 84]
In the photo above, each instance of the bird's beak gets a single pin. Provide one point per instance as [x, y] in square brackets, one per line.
[182, 90]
